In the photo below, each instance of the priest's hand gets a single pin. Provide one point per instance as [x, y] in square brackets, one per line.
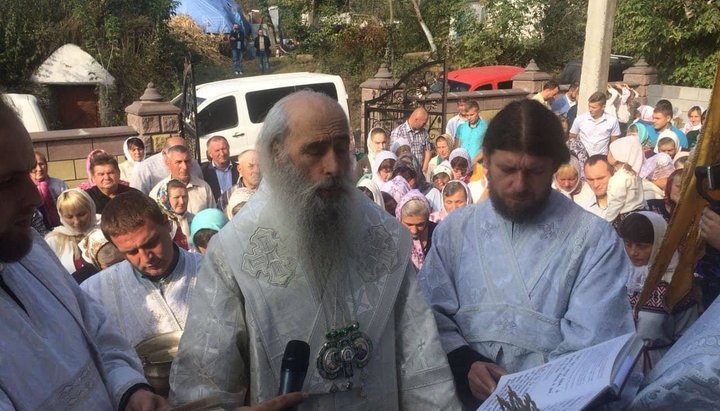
[278, 403]
[710, 228]
[145, 400]
[483, 377]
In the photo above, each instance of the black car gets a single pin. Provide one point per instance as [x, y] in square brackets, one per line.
[618, 64]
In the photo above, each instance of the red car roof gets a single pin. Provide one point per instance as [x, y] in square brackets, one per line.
[476, 76]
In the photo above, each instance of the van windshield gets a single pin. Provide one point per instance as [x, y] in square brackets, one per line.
[261, 101]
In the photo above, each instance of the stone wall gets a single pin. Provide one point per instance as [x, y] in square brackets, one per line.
[683, 98]
[66, 150]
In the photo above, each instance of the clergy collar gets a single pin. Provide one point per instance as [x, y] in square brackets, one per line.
[173, 266]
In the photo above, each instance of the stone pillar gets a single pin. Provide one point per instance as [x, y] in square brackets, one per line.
[531, 80]
[640, 76]
[153, 119]
[596, 54]
[372, 88]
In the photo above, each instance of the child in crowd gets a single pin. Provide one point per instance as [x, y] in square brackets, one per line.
[668, 143]
[642, 234]
[624, 190]
[204, 226]
[440, 177]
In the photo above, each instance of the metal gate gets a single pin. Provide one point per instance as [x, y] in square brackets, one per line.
[188, 112]
[420, 87]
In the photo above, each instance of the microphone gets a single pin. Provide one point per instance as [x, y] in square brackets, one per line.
[294, 366]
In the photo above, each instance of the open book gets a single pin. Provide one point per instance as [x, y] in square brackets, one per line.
[574, 381]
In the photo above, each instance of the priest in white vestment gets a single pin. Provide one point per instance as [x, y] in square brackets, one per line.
[306, 257]
[147, 294]
[688, 376]
[528, 276]
[58, 349]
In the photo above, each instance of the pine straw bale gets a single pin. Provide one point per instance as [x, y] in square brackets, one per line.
[183, 28]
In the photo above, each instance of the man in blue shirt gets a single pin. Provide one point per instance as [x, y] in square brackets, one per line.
[471, 133]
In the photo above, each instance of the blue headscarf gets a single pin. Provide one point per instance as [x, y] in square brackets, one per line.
[210, 218]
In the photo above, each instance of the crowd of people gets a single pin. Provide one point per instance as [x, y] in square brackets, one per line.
[418, 274]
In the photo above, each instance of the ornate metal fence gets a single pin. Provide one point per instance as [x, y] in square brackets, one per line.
[420, 87]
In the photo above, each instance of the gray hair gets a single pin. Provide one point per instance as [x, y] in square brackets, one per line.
[216, 138]
[276, 127]
[415, 207]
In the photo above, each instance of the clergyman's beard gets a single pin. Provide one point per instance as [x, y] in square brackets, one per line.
[520, 212]
[326, 228]
[15, 244]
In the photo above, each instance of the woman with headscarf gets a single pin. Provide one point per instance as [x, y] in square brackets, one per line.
[77, 217]
[377, 141]
[49, 189]
[639, 131]
[569, 182]
[134, 150]
[642, 234]
[624, 190]
[237, 200]
[455, 195]
[204, 226]
[383, 167]
[440, 176]
[173, 201]
[413, 211]
[97, 253]
[654, 172]
[397, 188]
[371, 189]
[90, 183]
[474, 177]
[671, 195]
[460, 164]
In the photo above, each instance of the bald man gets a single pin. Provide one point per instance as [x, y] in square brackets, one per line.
[150, 171]
[413, 130]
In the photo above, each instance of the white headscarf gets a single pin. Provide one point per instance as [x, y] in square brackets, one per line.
[399, 142]
[629, 151]
[371, 151]
[239, 195]
[379, 158]
[646, 113]
[128, 154]
[440, 215]
[637, 279]
[461, 152]
[66, 236]
[667, 134]
[374, 189]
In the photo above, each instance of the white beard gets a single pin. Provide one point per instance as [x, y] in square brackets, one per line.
[327, 230]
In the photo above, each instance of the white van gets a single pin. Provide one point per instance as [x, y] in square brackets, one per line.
[28, 109]
[236, 108]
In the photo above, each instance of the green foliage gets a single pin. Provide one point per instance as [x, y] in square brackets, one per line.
[680, 38]
[549, 31]
[129, 38]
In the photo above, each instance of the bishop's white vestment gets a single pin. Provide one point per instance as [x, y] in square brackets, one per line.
[254, 295]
